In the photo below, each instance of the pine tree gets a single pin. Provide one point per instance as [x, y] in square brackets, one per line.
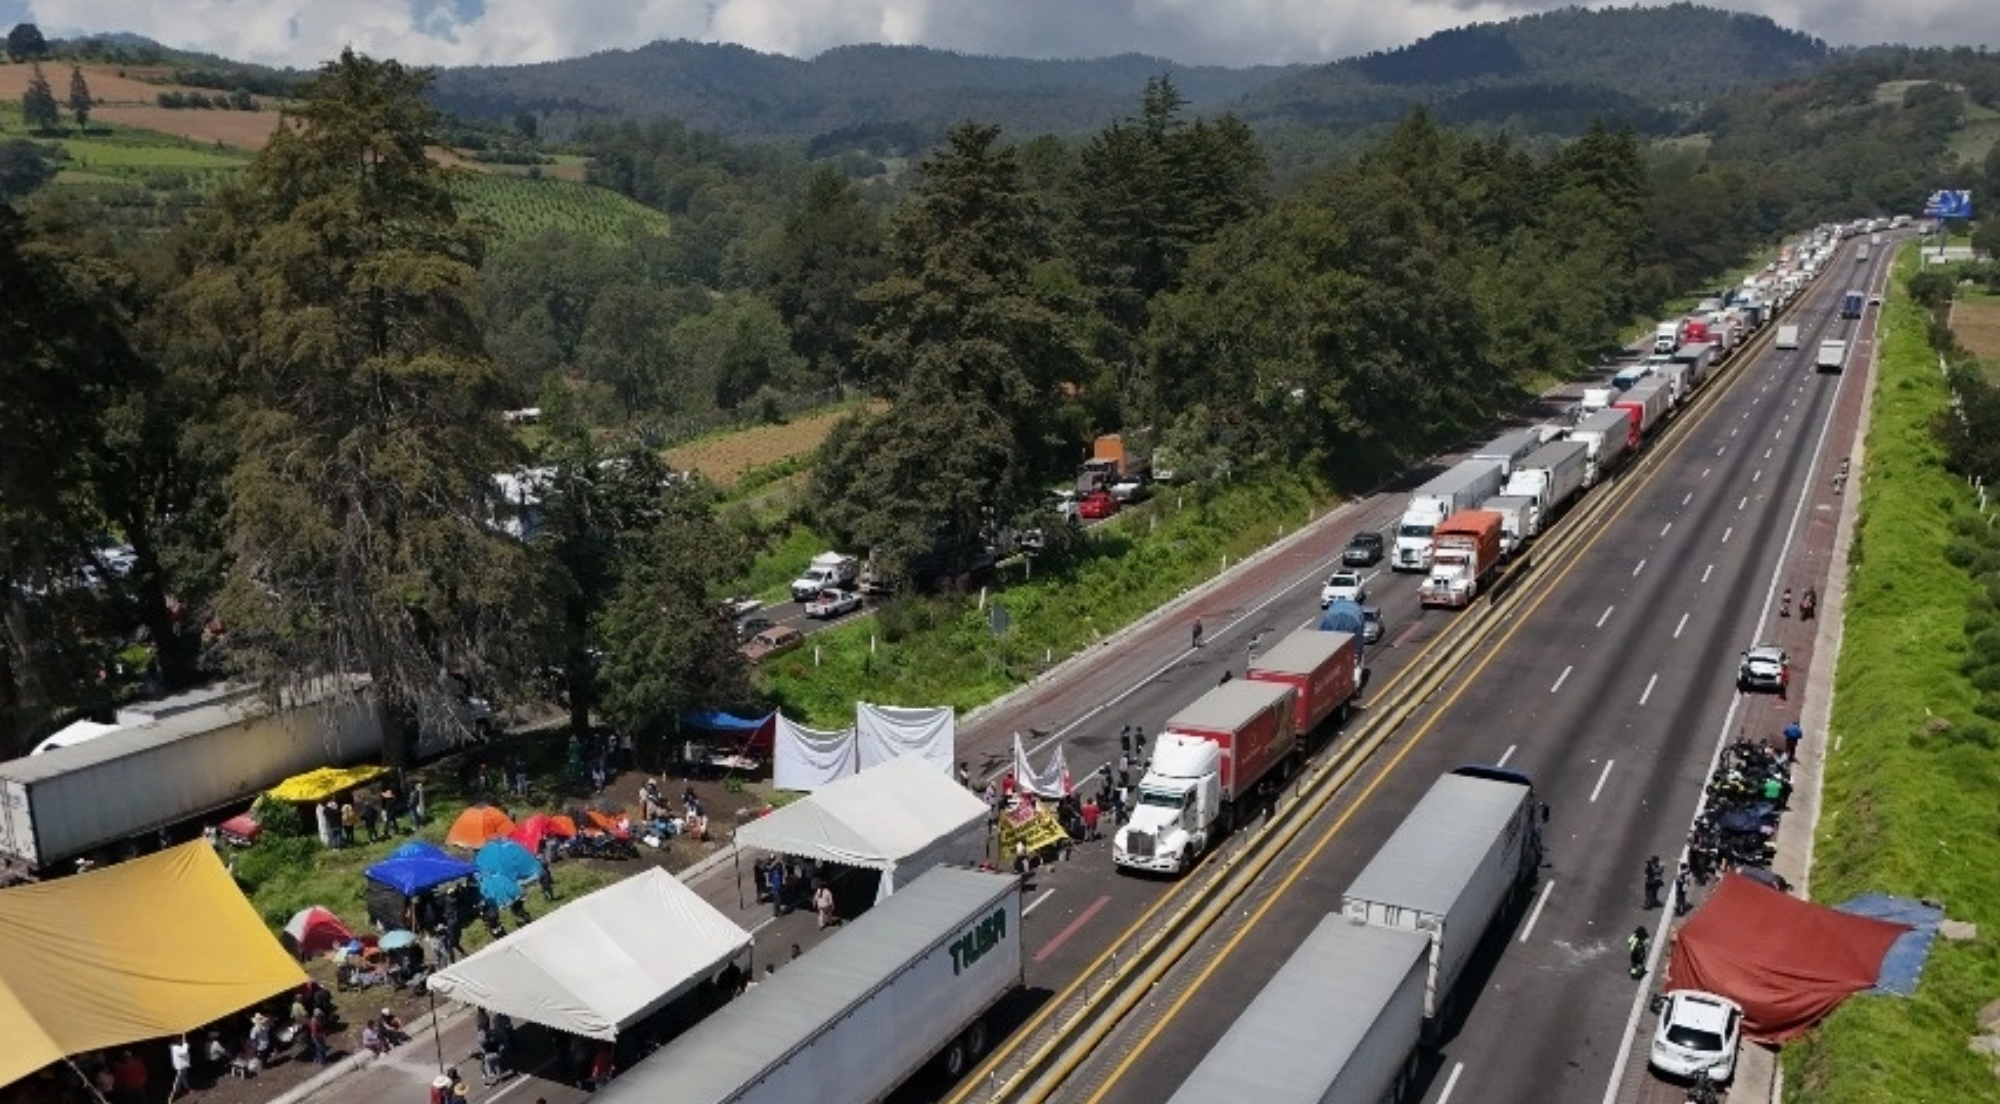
[38, 102]
[79, 98]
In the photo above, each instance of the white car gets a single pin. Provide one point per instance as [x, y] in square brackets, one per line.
[1698, 1032]
[1343, 586]
[833, 603]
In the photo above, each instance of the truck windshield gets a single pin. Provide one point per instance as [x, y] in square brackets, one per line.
[1415, 530]
[1165, 799]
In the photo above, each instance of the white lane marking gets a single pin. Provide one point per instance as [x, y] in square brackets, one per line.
[1037, 902]
[767, 922]
[1687, 498]
[1723, 449]
[1505, 755]
[1679, 627]
[1528, 928]
[1599, 788]
[1606, 616]
[1451, 1082]
[1726, 532]
[1742, 502]
[1705, 471]
[1733, 432]
[1560, 679]
[1637, 568]
[1667, 528]
[1756, 475]
[1706, 572]
[1647, 695]
[1778, 436]
[1767, 454]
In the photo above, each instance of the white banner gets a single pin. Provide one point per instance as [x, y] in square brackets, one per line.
[1051, 781]
[804, 759]
[890, 732]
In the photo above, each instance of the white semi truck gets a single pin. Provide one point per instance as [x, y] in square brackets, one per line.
[1463, 487]
[906, 985]
[1206, 765]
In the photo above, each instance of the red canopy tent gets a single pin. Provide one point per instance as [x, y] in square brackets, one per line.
[1788, 962]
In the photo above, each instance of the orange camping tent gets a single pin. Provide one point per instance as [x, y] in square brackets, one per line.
[478, 826]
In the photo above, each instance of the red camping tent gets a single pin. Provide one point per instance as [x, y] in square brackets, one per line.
[314, 931]
[530, 832]
[1788, 962]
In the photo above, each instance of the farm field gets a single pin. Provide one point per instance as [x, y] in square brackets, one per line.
[1977, 324]
[726, 458]
[123, 100]
[517, 207]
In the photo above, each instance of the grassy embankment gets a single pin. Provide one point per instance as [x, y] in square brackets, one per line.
[1913, 778]
[944, 652]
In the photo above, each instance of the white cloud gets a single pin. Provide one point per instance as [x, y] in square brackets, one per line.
[1229, 32]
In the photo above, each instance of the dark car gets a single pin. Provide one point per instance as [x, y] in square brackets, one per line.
[751, 626]
[1365, 550]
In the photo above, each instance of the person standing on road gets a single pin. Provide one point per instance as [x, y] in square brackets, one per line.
[1636, 945]
[1681, 902]
[1197, 632]
[1793, 734]
[1655, 881]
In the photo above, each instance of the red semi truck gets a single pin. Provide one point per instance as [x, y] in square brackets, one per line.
[1206, 764]
[1323, 668]
[1465, 552]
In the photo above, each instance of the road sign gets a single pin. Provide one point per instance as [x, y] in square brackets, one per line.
[1949, 203]
[998, 618]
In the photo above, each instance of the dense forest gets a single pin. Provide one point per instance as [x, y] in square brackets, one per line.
[261, 441]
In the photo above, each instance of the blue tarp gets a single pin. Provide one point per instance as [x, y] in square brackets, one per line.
[507, 859]
[499, 889]
[1342, 617]
[1904, 964]
[415, 867]
[712, 721]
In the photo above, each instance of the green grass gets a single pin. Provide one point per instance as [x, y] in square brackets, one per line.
[1912, 785]
[517, 207]
[783, 559]
[942, 652]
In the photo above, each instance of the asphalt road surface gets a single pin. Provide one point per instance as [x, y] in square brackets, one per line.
[1613, 686]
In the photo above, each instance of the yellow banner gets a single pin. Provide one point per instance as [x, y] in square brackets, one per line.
[1037, 832]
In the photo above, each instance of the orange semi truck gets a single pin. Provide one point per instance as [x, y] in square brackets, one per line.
[1465, 554]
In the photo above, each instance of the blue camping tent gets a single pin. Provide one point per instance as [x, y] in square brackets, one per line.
[506, 859]
[499, 889]
[415, 867]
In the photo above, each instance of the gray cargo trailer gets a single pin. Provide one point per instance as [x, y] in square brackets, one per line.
[910, 981]
[1473, 843]
[1507, 448]
[1339, 1024]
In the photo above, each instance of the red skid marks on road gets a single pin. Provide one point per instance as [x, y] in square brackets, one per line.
[1406, 634]
[1062, 936]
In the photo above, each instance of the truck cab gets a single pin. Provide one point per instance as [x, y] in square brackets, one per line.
[1413, 540]
[1175, 811]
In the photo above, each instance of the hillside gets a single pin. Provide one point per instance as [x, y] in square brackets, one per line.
[1550, 72]
[1547, 72]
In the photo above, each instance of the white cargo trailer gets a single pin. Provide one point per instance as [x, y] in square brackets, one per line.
[1339, 1024]
[1508, 448]
[1466, 485]
[1607, 436]
[1472, 844]
[186, 757]
[909, 982]
[1554, 475]
[1519, 519]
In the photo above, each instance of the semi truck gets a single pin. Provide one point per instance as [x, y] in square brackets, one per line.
[1518, 518]
[1608, 436]
[1340, 1023]
[1322, 668]
[1832, 356]
[827, 571]
[1700, 361]
[1510, 447]
[1666, 337]
[174, 760]
[1465, 556]
[1851, 304]
[1644, 406]
[1861, 255]
[1208, 761]
[1788, 336]
[1466, 485]
[1471, 846]
[1112, 468]
[1553, 476]
[905, 986]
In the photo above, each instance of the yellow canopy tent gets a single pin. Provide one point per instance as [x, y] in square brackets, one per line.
[318, 785]
[131, 952]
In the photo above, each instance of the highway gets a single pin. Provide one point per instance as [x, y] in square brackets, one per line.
[1611, 683]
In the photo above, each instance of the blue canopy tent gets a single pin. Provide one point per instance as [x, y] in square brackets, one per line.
[754, 736]
[415, 867]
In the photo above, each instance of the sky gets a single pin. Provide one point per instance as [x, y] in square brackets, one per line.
[305, 33]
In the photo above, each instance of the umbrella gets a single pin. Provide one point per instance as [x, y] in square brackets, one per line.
[397, 940]
[499, 889]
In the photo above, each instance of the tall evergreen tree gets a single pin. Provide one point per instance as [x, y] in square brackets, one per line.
[79, 97]
[38, 102]
[331, 285]
[829, 249]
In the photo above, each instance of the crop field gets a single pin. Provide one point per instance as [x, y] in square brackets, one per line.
[124, 101]
[1977, 324]
[518, 207]
[726, 458]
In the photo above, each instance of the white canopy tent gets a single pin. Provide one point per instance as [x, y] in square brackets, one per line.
[602, 962]
[901, 818]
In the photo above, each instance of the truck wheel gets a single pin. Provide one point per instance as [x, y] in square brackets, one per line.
[975, 1040]
[954, 1059]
